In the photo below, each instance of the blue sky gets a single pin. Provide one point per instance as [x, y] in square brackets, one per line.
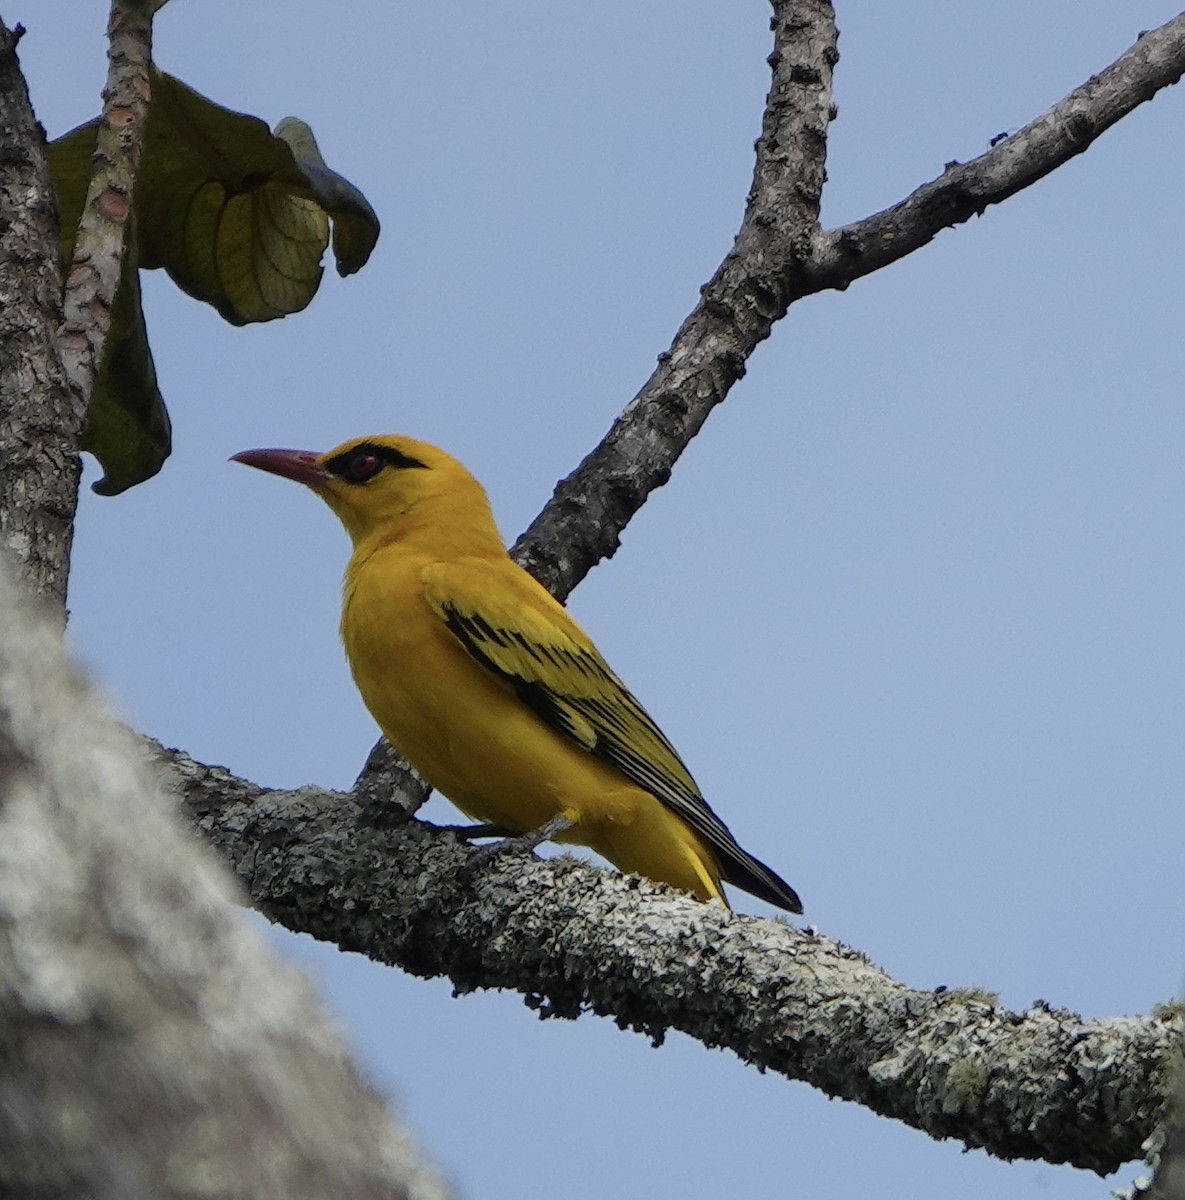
[910, 606]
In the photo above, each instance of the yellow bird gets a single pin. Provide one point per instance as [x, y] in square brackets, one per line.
[486, 685]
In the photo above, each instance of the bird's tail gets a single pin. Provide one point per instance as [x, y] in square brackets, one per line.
[742, 870]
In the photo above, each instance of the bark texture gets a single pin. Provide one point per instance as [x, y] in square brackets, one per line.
[582, 522]
[572, 938]
[151, 1045]
[41, 419]
[966, 190]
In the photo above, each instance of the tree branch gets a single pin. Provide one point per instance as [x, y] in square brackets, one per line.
[780, 256]
[772, 265]
[572, 938]
[41, 419]
[582, 522]
[1041, 1084]
[386, 778]
[750, 290]
[966, 190]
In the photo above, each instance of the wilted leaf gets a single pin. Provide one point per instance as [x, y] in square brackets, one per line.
[224, 208]
[355, 226]
[238, 216]
[229, 212]
[127, 424]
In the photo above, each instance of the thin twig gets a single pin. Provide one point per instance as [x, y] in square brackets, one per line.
[966, 190]
[94, 274]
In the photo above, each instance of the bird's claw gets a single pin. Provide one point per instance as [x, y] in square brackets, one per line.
[483, 856]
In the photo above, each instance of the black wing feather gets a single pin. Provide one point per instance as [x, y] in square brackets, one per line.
[618, 724]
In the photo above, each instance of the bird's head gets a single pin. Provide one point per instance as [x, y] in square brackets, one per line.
[387, 487]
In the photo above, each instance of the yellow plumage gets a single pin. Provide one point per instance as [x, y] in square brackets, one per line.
[489, 688]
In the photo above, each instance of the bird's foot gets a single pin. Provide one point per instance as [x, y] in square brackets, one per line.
[525, 842]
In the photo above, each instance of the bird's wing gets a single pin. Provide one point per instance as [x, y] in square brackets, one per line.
[514, 628]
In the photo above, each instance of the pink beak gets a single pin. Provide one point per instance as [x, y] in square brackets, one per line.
[300, 465]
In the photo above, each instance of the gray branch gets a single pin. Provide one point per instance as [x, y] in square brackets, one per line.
[1042, 1084]
[966, 190]
[573, 938]
[781, 256]
[751, 289]
[582, 522]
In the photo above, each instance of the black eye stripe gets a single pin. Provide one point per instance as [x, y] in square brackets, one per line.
[365, 461]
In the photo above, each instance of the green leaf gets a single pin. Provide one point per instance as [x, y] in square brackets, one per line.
[127, 424]
[226, 208]
[69, 158]
[239, 217]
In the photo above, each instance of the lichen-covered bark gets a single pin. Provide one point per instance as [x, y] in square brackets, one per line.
[571, 938]
[41, 419]
[385, 777]
[149, 1043]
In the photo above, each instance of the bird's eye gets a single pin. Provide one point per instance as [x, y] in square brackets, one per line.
[361, 467]
[365, 460]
